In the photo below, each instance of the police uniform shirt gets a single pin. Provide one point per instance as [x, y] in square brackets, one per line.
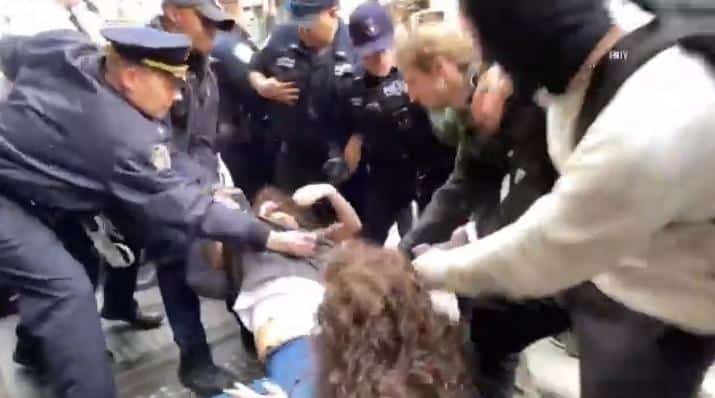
[194, 119]
[69, 142]
[398, 136]
[317, 75]
[233, 52]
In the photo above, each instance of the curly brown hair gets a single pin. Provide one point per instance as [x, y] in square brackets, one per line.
[380, 336]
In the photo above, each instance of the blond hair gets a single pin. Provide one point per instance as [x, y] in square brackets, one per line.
[421, 47]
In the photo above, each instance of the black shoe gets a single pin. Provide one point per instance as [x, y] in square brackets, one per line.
[206, 380]
[138, 320]
[29, 358]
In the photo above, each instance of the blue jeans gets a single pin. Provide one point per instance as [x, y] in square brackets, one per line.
[293, 367]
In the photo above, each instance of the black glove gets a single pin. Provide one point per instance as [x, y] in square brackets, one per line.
[337, 171]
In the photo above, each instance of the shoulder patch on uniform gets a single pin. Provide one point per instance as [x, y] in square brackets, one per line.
[356, 101]
[374, 106]
[286, 62]
[395, 88]
[243, 52]
[160, 157]
[343, 69]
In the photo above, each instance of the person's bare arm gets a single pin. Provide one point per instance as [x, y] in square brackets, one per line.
[349, 224]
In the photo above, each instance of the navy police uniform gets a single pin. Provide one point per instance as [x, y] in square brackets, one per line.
[194, 121]
[244, 144]
[309, 131]
[69, 143]
[401, 155]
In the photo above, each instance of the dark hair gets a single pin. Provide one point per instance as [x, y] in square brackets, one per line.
[380, 336]
[319, 215]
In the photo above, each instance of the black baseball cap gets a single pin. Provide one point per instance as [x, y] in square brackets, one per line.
[167, 52]
[209, 9]
[371, 29]
[304, 12]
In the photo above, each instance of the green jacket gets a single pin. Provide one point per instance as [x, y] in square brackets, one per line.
[474, 187]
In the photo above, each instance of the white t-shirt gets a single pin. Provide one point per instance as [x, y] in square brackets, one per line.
[291, 302]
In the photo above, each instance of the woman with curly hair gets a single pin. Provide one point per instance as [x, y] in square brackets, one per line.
[379, 334]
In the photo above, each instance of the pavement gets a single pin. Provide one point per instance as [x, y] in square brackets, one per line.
[556, 375]
[145, 361]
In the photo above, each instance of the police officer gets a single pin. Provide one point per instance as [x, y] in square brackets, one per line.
[298, 72]
[80, 134]
[194, 121]
[396, 135]
[243, 142]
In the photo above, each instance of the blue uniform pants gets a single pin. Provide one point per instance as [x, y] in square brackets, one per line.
[384, 199]
[183, 310]
[182, 304]
[56, 304]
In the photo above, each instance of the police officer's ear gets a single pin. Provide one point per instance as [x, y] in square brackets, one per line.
[131, 78]
[122, 75]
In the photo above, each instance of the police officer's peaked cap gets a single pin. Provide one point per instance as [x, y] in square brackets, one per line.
[156, 49]
[304, 12]
[209, 9]
[371, 29]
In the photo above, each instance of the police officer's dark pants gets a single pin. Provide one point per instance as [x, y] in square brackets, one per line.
[74, 239]
[56, 304]
[182, 305]
[384, 199]
[623, 354]
[119, 287]
[183, 310]
[297, 166]
[251, 165]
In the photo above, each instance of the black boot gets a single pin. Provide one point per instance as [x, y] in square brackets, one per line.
[8, 303]
[204, 377]
[27, 355]
[136, 318]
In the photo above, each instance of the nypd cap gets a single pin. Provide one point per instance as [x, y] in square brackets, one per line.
[304, 12]
[150, 47]
[209, 9]
[371, 29]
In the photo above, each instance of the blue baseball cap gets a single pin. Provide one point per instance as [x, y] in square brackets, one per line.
[304, 12]
[209, 9]
[371, 29]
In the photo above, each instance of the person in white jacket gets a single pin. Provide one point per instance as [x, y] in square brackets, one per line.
[626, 238]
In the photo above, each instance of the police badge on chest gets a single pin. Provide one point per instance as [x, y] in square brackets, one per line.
[161, 157]
[343, 69]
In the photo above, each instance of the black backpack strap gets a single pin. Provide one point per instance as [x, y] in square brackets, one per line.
[634, 50]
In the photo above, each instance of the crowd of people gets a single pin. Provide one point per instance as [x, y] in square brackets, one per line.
[546, 161]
